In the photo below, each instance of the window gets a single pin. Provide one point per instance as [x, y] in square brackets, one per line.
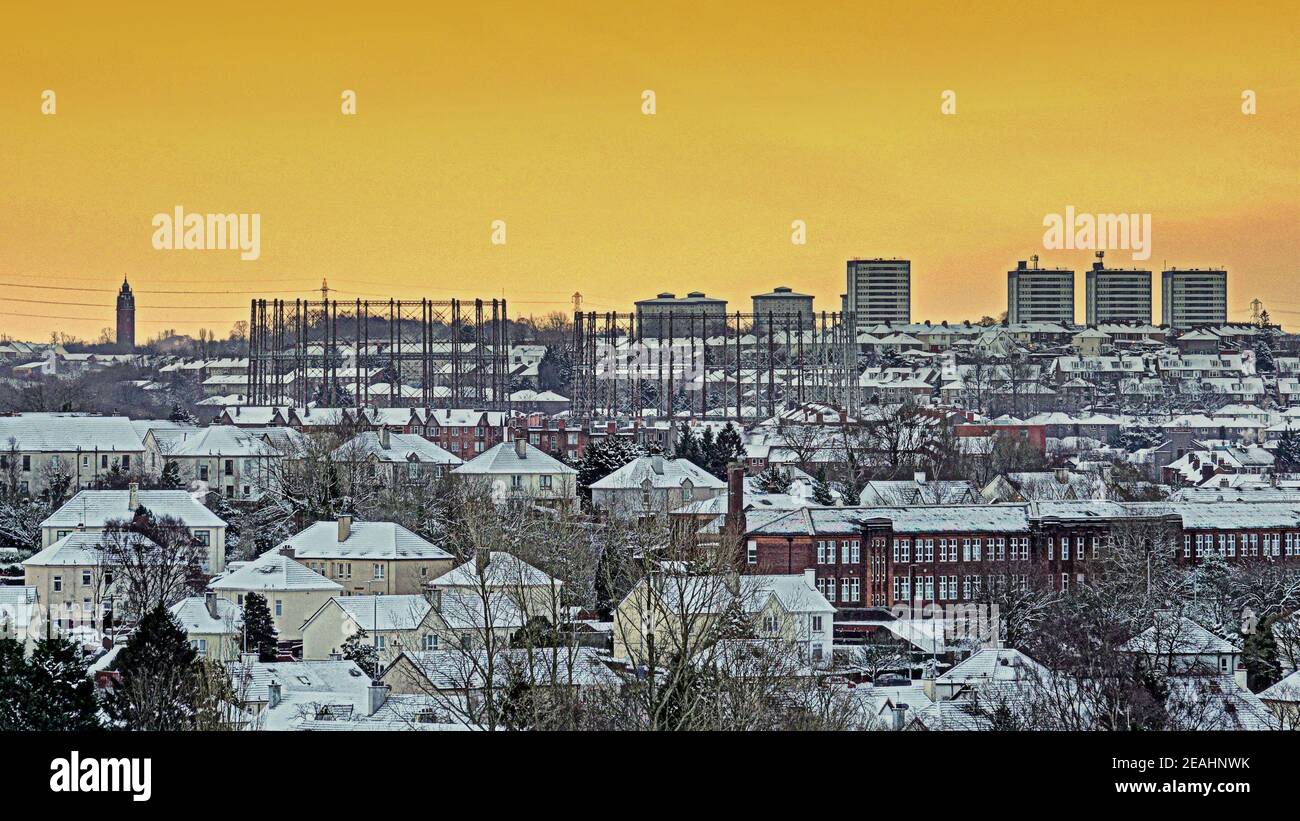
[929, 551]
[902, 550]
[429, 642]
[928, 582]
[378, 571]
[27, 462]
[902, 588]
[516, 482]
[856, 547]
[1065, 548]
[544, 481]
[1065, 582]
[58, 584]
[228, 468]
[1002, 548]
[751, 552]
[855, 589]
[203, 473]
[381, 641]
[85, 577]
[845, 589]
[204, 537]
[830, 588]
[279, 607]
[816, 624]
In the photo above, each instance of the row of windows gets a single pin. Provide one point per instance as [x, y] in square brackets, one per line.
[968, 549]
[124, 461]
[1226, 544]
[850, 552]
[850, 588]
[923, 587]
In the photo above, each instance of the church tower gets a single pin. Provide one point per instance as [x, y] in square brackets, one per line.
[126, 318]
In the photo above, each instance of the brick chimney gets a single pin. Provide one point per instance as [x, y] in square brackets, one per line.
[345, 527]
[521, 446]
[383, 437]
[210, 602]
[133, 497]
[735, 520]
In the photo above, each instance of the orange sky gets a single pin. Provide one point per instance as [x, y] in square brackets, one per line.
[531, 113]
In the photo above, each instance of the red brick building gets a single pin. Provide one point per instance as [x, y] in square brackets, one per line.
[882, 556]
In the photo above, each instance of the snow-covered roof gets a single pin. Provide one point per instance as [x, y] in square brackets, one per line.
[274, 571]
[460, 670]
[660, 473]
[1177, 635]
[404, 612]
[217, 440]
[993, 664]
[912, 492]
[95, 508]
[911, 519]
[504, 460]
[1286, 691]
[366, 540]
[194, 617]
[402, 447]
[502, 570]
[62, 432]
[78, 550]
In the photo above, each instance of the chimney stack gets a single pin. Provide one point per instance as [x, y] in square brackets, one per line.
[375, 697]
[383, 437]
[900, 716]
[273, 693]
[210, 602]
[345, 527]
[919, 476]
[736, 498]
[1063, 475]
[657, 464]
[133, 498]
[521, 446]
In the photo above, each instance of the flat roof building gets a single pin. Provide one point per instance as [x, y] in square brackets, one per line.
[785, 308]
[1117, 295]
[1040, 294]
[680, 317]
[1193, 297]
[880, 291]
